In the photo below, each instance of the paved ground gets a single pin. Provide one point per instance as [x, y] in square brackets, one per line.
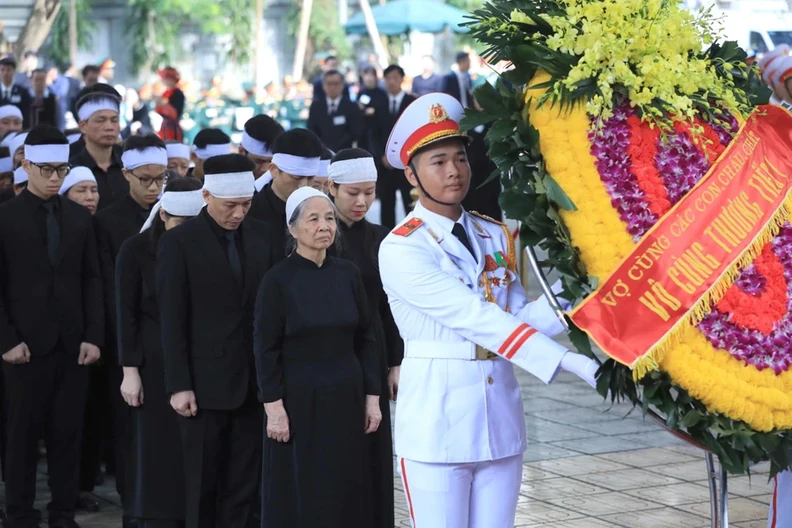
[587, 466]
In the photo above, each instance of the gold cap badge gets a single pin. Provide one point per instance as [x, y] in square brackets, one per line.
[437, 114]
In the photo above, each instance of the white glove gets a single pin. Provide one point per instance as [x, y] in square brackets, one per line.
[581, 366]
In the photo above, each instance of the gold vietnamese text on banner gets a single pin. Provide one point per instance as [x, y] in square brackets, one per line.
[688, 260]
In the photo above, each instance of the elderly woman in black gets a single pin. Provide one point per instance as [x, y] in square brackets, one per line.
[352, 186]
[154, 460]
[319, 378]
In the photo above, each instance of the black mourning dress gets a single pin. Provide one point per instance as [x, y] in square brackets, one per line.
[360, 244]
[315, 349]
[155, 479]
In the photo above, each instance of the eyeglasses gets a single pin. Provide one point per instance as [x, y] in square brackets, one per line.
[47, 169]
[146, 181]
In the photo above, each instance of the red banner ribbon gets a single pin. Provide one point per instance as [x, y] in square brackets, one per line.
[693, 254]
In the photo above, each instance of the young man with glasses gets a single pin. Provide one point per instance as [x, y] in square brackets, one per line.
[51, 327]
[97, 115]
[145, 162]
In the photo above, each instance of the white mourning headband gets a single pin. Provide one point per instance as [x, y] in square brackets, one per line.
[262, 181]
[178, 150]
[230, 184]
[296, 165]
[132, 159]
[6, 164]
[324, 165]
[10, 111]
[75, 176]
[90, 108]
[8, 139]
[210, 151]
[255, 147]
[47, 153]
[17, 142]
[185, 203]
[299, 196]
[74, 138]
[20, 176]
[360, 170]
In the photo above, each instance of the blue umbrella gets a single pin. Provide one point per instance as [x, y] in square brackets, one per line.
[402, 16]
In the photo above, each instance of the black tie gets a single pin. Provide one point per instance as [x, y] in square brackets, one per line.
[394, 107]
[53, 232]
[459, 232]
[233, 255]
[332, 108]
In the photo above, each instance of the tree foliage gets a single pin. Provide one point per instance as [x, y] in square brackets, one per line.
[153, 27]
[59, 36]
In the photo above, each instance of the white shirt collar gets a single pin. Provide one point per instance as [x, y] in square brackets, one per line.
[333, 102]
[441, 221]
[398, 98]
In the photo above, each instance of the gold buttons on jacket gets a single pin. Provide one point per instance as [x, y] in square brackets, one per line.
[490, 381]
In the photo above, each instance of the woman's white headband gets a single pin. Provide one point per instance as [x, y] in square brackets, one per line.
[230, 184]
[185, 203]
[75, 176]
[255, 147]
[210, 151]
[47, 153]
[178, 150]
[299, 196]
[296, 165]
[88, 109]
[17, 142]
[132, 159]
[360, 170]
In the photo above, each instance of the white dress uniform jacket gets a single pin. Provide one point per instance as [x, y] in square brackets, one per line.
[449, 305]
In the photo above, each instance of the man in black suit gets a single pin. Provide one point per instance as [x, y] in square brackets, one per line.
[390, 180]
[457, 83]
[44, 103]
[208, 272]
[145, 161]
[97, 114]
[336, 120]
[372, 100]
[330, 63]
[295, 163]
[51, 326]
[12, 93]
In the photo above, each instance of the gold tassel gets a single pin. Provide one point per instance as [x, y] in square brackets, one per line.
[650, 361]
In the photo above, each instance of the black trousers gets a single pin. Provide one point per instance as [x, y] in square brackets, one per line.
[95, 425]
[119, 413]
[389, 182]
[222, 461]
[45, 398]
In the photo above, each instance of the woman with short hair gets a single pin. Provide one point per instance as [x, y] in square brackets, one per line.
[318, 377]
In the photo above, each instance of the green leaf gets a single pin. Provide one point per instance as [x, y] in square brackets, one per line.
[557, 194]
[580, 340]
[690, 419]
[474, 118]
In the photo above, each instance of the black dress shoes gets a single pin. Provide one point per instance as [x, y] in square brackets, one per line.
[87, 503]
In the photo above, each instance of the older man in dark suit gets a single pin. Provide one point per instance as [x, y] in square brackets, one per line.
[51, 327]
[335, 119]
[208, 272]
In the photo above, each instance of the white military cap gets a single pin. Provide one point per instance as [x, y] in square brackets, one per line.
[429, 119]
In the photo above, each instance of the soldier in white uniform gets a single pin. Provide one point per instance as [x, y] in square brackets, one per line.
[452, 284]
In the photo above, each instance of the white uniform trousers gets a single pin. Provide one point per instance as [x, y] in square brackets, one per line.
[471, 495]
[781, 505]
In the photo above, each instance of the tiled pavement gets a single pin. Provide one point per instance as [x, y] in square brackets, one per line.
[589, 466]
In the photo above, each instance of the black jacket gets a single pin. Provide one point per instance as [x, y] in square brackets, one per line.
[112, 184]
[271, 210]
[20, 97]
[386, 122]
[337, 131]
[206, 316]
[41, 303]
[451, 87]
[44, 113]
